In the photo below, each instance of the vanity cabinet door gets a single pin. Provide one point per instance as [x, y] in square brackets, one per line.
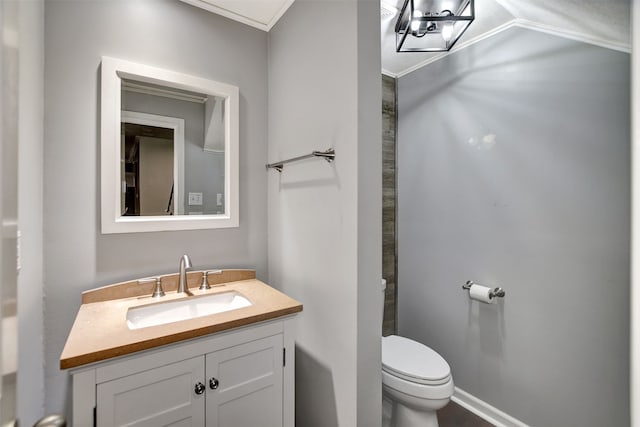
[244, 384]
[163, 396]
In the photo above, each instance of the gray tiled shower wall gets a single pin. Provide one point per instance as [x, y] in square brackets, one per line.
[389, 202]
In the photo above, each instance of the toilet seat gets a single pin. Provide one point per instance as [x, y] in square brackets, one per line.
[404, 390]
[414, 362]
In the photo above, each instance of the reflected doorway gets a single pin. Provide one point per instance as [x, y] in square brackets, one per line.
[151, 165]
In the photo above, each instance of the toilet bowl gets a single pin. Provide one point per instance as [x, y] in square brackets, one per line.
[416, 380]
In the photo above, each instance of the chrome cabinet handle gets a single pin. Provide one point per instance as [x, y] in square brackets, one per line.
[199, 388]
[213, 383]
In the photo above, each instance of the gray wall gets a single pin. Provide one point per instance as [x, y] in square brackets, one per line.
[30, 148]
[167, 34]
[324, 219]
[10, 51]
[540, 208]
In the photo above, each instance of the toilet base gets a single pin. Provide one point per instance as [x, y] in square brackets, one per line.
[411, 412]
[407, 417]
[387, 412]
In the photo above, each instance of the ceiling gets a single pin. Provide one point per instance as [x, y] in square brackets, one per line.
[602, 22]
[261, 14]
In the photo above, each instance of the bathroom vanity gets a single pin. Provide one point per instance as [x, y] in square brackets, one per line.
[227, 369]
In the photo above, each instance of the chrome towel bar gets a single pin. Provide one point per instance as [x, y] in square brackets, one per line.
[328, 155]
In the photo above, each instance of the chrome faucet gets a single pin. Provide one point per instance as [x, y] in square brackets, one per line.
[185, 264]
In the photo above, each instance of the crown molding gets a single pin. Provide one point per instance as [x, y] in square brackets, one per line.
[521, 23]
[574, 35]
[389, 74]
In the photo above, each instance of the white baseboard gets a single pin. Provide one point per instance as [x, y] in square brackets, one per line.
[484, 410]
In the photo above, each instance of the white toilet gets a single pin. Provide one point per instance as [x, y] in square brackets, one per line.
[416, 380]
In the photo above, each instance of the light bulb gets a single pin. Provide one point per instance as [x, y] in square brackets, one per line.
[415, 23]
[447, 31]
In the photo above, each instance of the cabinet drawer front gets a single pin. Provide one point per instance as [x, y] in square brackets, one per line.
[157, 397]
[249, 393]
[154, 358]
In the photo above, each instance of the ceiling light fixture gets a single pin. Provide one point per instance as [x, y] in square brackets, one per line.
[433, 26]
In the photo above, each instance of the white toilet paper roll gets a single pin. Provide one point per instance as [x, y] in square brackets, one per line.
[481, 293]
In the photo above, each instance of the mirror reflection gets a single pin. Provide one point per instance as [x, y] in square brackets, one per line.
[172, 151]
[147, 170]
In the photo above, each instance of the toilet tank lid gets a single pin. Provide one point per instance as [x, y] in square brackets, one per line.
[412, 359]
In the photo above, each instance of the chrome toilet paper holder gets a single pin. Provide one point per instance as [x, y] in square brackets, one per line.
[495, 292]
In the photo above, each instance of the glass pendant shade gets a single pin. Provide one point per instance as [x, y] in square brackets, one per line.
[432, 25]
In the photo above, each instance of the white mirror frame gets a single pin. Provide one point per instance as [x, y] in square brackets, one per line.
[113, 70]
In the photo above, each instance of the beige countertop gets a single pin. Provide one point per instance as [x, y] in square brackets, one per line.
[100, 330]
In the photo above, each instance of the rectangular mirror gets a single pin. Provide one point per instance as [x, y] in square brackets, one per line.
[169, 150]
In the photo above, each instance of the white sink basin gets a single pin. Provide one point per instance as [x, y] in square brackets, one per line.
[183, 309]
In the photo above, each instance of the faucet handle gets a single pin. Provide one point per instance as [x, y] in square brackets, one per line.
[158, 292]
[205, 283]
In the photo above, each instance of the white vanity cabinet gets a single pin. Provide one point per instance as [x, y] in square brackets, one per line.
[239, 378]
[162, 396]
[244, 384]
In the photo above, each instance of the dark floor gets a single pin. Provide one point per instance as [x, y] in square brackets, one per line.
[454, 415]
